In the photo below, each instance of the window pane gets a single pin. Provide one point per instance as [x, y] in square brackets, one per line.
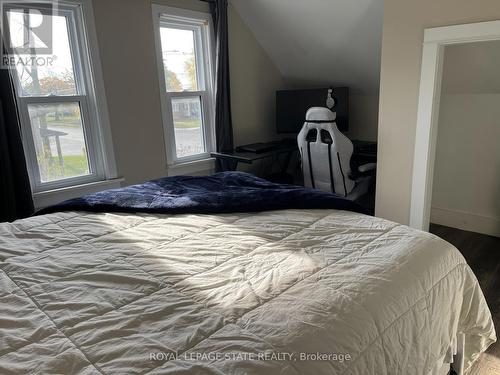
[188, 126]
[179, 59]
[59, 140]
[42, 75]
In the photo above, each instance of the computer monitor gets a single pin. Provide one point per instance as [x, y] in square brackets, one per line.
[292, 105]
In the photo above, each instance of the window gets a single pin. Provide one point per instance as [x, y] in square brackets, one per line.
[56, 94]
[185, 65]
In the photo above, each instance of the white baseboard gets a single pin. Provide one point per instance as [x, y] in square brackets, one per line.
[466, 221]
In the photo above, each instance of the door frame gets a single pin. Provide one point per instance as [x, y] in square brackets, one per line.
[435, 41]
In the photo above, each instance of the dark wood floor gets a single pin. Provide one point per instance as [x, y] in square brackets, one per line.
[483, 256]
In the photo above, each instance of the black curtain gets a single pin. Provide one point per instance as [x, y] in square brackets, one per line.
[15, 193]
[223, 120]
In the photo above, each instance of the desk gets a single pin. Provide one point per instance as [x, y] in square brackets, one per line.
[364, 152]
[365, 148]
[230, 160]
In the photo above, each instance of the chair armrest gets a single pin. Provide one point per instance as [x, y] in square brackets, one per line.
[367, 167]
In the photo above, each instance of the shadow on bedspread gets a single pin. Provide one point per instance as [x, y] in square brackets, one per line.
[226, 192]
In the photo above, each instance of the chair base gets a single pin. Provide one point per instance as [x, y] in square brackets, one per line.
[362, 187]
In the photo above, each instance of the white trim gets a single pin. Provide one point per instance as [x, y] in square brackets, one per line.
[203, 23]
[465, 33]
[197, 167]
[52, 99]
[435, 39]
[466, 221]
[97, 77]
[425, 141]
[47, 198]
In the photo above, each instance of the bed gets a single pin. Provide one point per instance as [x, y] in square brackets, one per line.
[282, 291]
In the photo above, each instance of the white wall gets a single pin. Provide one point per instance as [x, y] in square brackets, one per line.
[403, 32]
[466, 190]
[254, 81]
[319, 43]
[126, 43]
[125, 37]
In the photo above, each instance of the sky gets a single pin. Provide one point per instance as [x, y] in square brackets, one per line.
[61, 48]
[177, 48]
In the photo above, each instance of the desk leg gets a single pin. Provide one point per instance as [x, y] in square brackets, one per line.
[226, 165]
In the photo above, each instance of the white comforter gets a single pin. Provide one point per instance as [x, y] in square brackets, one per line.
[232, 294]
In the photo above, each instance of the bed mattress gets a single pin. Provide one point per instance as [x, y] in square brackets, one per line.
[279, 292]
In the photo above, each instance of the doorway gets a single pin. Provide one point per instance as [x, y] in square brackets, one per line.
[436, 40]
[466, 181]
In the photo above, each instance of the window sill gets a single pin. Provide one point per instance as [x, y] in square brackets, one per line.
[50, 197]
[196, 167]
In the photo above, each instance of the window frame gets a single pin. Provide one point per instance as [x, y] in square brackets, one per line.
[201, 24]
[89, 92]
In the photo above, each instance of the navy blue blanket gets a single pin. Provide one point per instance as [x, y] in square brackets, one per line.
[225, 192]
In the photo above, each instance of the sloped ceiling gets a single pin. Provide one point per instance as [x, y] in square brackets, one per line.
[320, 42]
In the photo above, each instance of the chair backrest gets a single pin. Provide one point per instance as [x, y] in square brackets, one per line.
[326, 153]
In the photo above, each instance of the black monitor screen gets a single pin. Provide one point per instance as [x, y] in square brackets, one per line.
[292, 105]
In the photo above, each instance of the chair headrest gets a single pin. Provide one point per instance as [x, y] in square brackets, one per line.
[320, 114]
